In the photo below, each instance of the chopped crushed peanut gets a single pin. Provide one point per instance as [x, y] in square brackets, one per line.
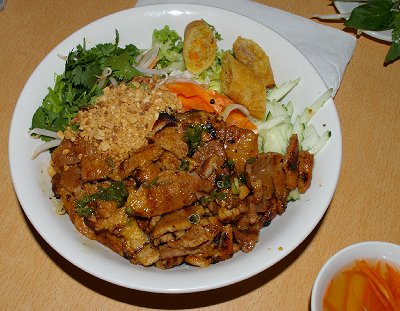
[123, 117]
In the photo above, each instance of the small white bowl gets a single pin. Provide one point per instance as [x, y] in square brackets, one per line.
[374, 250]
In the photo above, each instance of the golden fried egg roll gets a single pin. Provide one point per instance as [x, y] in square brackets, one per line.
[199, 46]
[252, 55]
[240, 84]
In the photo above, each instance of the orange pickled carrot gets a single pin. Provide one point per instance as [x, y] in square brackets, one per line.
[221, 101]
[346, 290]
[370, 301]
[240, 120]
[378, 285]
[364, 287]
[189, 89]
[194, 103]
[194, 96]
[394, 282]
[216, 101]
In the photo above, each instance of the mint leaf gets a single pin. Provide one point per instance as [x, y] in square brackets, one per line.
[394, 51]
[375, 15]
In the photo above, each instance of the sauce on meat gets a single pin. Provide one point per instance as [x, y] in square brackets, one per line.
[192, 189]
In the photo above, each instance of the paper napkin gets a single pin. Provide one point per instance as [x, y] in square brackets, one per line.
[328, 49]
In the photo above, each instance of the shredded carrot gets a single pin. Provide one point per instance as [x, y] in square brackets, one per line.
[194, 96]
[189, 89]
[378, 284]
[215, 100]
[365, 286]
[194, 102]
[240, 120]
[370, 300]
[220, 101]
[394, 282]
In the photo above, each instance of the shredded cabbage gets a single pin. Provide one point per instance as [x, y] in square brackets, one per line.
[212, 75]
[170, 49]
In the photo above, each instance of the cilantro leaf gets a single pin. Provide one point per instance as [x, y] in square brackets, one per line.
[77, 87]
[121, 67]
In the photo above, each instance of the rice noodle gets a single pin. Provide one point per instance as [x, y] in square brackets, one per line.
[113, 82]
[63, 57]
[148, 71]
[42, 132]
[180, 79]
[232, 107]
[45, 146]
[181, 74]
[159, 83]
[147, 58]
[186, 76]
[107, 71]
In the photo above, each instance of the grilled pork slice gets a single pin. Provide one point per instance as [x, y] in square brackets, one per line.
[279, 178]
[94, 167]
[240, 145]
[290, 163]
[69, 179]
[197, 240]
[107, 217]
[268, 169]
[177, 221]
[247, 230]
[69, 203]
[169, 191]
[170, 138]
[137, 245]
[192, 238]
[168, 161]
[226, 246]
[211, 157]
[260, 176]
[306, 163]
[140, 158]
[198, 261]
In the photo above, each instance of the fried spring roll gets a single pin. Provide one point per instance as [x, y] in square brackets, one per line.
[252, 55]
[243, 86]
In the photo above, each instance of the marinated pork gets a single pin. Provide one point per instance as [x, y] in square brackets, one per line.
[198, 192]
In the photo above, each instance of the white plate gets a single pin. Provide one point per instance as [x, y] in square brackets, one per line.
[347, 7]
[135, 25]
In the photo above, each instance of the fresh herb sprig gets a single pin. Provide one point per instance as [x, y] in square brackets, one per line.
[378, 15]
[77, 86]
